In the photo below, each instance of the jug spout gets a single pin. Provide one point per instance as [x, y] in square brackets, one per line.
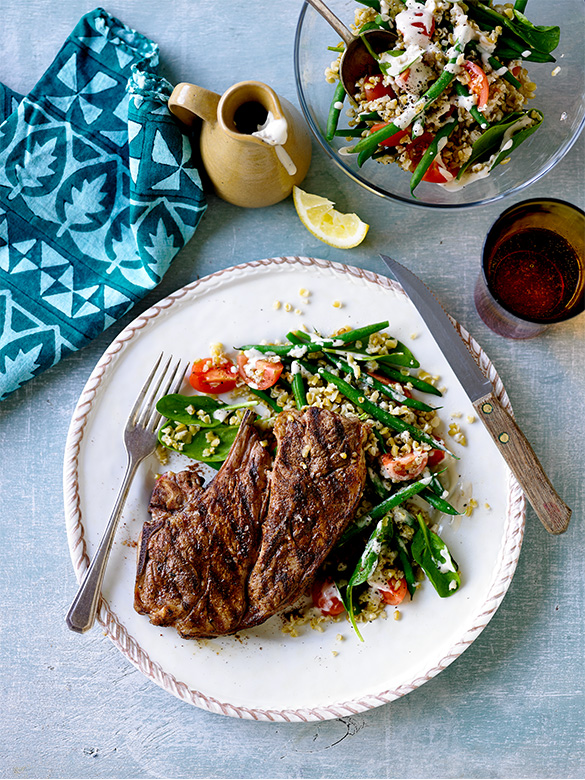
[188, 102]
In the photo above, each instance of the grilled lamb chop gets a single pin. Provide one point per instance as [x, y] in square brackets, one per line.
[316, 485]
[197, 552]
[231, 555]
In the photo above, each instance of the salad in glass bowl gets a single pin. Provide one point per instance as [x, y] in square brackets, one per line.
[452, 99]
[530, 54]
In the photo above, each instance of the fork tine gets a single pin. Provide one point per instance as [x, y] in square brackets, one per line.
[173, 385]
[153, 393]
[138, 404]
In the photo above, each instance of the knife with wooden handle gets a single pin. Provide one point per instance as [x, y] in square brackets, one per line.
[514, 447]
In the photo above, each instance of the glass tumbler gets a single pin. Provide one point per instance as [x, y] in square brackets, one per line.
[533, 268]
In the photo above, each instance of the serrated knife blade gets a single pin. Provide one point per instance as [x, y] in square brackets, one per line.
[508, 438]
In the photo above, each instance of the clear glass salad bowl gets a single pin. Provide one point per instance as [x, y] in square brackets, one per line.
[560, 97]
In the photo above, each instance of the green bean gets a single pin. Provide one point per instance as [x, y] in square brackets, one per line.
[398, 376]
[439, 503]
[381, 442]
[430, 153]
[462, 90]
[381, 509]
[350, 132]
[349, 337]
[298, 389]
[361, 334]
[395, 423]
[436, 486]
[431, 494]
[520, 5]
[382, 23]
[386, 390]
[334, 111]
[370, 116]
[268, 400]
[406, 567]
[281, 350]
[367, 146]
[404, 400]
[507, 76]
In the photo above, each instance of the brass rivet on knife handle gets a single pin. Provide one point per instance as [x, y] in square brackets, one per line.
[551, 510]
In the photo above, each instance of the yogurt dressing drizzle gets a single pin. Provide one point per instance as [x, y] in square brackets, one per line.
[275, 133]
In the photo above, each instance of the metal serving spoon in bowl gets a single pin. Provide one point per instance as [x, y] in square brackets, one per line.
[357, 60]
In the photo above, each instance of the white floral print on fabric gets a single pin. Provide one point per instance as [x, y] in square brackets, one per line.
[98, 192]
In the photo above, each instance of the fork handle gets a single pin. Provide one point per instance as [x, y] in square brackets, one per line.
[83, 610]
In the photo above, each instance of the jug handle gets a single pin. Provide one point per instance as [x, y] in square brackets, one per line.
[187, 102]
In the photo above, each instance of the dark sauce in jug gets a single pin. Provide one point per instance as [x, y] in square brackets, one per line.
[534, 274]
[249, 117]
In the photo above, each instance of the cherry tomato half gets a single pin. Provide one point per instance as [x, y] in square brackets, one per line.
[403, 467]
[393, 139]
[394, 591]
[326, 597]
[377, 89]
[435, 457]
[207, 378]
[478, 84]
[262, 375]
[438, 174]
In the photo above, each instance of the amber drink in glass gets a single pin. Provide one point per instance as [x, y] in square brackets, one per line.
[533, 269]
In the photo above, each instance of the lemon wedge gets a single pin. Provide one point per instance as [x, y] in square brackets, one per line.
[317, 214]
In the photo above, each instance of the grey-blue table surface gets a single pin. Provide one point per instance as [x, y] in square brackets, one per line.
[73, 706]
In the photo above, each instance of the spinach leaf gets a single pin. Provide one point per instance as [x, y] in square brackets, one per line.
[432, 555]
[492, 139]
[545, 39]
[512, 48]
[196, 447]
[175, 406]
[519, 33]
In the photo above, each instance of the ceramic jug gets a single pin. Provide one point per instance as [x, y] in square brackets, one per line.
[254, 145]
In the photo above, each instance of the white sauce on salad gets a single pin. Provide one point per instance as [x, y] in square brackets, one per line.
[409, 22]
[394, 65]
[447, 566]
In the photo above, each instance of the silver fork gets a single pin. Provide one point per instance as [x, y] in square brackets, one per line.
[140, 440]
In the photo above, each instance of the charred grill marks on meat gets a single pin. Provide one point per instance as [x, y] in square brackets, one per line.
[229, 556]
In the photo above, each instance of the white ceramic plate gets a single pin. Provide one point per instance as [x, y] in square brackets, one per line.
[263, 673]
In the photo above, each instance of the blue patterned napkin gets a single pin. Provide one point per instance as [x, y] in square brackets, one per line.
[98, 192]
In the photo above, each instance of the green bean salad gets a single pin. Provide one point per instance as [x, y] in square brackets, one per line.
[450, 101]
